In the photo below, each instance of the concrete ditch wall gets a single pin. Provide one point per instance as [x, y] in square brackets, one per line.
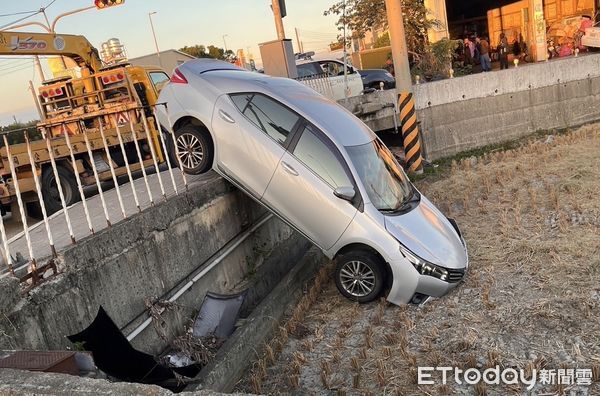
[151, 255]
[488, 108]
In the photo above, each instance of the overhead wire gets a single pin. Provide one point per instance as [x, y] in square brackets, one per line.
[14, 66]
[17, 13]
[16, 70]
[30, 14]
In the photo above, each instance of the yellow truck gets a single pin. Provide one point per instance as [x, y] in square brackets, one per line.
[101, 100]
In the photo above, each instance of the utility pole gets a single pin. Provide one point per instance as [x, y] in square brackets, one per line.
[278, 20]
[406, 103]
[398, 43]
[154, 35]
[38, 66]
[225, 42]
[300, 49]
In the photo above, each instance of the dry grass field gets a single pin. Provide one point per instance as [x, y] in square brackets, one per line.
[531, 300]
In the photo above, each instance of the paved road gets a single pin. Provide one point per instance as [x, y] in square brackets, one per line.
[58, 224]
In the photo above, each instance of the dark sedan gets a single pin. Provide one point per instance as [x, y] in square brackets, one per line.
[372, 78]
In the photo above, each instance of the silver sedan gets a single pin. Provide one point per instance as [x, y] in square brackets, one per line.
[321, 170]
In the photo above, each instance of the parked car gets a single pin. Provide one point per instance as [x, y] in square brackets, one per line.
[372, 78]
[334, 70]
[321, 170]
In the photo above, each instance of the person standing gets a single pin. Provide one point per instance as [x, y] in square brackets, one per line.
[484, 52]
[503, 51]
[467, 53]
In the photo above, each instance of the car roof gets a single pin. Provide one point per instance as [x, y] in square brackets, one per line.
[335, 121]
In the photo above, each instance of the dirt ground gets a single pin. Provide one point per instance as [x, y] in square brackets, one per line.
[531, 299]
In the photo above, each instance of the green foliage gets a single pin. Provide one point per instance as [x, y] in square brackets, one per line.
[15, 132]
[364, 15]
[201, 51]
[436, 60]
[382, 41]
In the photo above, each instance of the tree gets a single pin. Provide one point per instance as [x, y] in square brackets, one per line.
[382, 41]
[19, 128]
[364, 15]
[201, 51]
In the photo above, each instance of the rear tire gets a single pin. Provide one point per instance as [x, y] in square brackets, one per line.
[195, 149]
[50, 190]
[359, 276]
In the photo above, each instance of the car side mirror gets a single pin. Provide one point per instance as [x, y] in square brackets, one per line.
[345, 193]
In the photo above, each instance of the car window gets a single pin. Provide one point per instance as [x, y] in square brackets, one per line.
[315, 154]
[267, 114]
[308, 70]
[332, 68]
[159, 79]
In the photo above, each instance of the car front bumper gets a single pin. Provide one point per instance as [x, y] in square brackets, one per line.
[407, 282]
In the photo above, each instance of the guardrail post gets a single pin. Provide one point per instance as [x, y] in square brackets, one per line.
[153, 152]
[58, 183]
[165, 151]
[124, 153]
[78, 179]
[141, 159]
[13, 173]
[95, 171]
[38, 189]
[112, 169]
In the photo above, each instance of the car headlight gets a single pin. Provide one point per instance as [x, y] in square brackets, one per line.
[424, 267]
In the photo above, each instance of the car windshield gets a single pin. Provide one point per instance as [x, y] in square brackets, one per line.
[386, 184]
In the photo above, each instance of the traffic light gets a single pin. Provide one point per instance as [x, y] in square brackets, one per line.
[101, 4]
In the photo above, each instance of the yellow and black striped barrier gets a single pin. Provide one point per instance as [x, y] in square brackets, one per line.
[410, 132]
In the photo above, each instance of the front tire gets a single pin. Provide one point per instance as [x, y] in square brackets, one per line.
[50, 189]
[195, 150]
[359, 276]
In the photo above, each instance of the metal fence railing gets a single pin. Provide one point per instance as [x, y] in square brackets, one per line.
[90, 152]
[320, 83]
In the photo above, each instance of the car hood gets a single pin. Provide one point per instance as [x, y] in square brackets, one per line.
[426, 232]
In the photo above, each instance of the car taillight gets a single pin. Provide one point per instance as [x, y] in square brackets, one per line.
[178, 77]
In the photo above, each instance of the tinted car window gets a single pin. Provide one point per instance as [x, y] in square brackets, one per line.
[321, 159]
[268, 115]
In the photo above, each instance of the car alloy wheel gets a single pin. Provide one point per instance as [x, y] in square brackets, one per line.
[359, 276]
[190, 150]
[195, 149]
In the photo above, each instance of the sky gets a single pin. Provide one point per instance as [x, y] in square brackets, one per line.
[177, 23]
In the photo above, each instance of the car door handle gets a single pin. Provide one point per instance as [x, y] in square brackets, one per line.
[226, 117]
[288, 168]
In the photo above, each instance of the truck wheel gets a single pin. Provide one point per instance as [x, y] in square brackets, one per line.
[195, 150]
[359, 276]
[50, 190]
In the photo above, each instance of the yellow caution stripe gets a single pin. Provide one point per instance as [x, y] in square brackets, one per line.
[410, 132]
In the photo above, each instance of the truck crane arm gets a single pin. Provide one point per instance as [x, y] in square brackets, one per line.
[75, 47]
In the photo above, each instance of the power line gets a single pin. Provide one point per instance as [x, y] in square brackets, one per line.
[19, 20]
[31, 13]
[14, 66]
[17, 13]
[16, 70]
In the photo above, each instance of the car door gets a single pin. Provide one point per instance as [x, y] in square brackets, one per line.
[301, 191]
[251, 132]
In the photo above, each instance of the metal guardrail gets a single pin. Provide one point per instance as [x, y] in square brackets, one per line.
[34, 271]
